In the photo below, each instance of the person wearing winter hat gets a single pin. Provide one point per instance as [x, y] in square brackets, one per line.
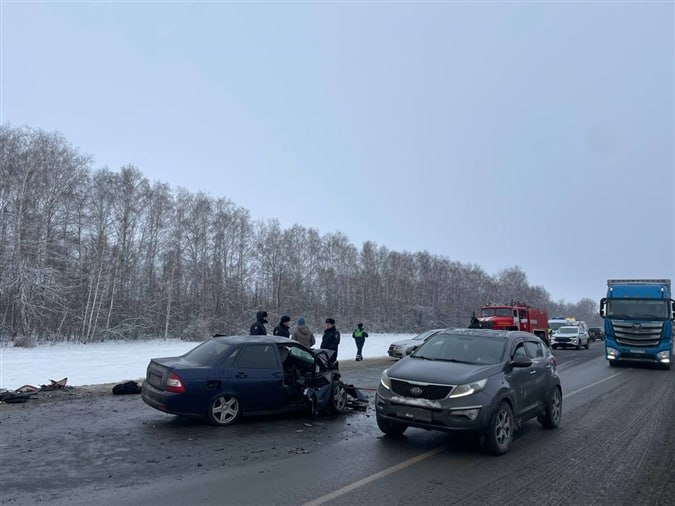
[258, 328]
[331, 337]
[282, 329]
[359, 336]
[303, 334]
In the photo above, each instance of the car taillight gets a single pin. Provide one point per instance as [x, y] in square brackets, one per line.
[174, 384]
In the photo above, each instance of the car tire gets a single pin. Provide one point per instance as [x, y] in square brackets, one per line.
[390, 427]
[555, 347]
[499, 435]
[612, 363]
[338, 399]
[553, 411]
[224, 410]
[586, 345]
[578, 346]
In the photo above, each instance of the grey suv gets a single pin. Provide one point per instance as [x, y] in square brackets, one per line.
[483, 381]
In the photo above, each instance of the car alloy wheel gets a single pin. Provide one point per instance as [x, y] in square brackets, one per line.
[338, 398]
[553, 413]
[225, 410]
[500, 432]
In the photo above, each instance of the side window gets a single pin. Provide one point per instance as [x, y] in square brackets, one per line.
[534, 350]
[522, 314]
[520, 351]
[229, 361]
[258, 356]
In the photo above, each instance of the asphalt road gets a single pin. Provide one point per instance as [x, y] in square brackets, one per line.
[616, 445]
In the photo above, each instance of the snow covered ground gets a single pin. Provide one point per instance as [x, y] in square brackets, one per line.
[112, 362]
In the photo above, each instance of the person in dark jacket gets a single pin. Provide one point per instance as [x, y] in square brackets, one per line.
[331, 337]
[359, 336]
[282, 329]
[258, 328]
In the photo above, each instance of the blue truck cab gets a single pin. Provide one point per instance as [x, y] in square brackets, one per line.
[638, 316]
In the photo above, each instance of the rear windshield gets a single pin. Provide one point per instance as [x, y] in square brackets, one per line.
[462, 348]
[207, 352]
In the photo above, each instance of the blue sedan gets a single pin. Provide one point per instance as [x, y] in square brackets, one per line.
[229, 376]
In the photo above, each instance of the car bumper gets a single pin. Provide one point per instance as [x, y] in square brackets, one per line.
[572, 343]
[396, 352]
[663, 354]
[448, 415]
[168, 402]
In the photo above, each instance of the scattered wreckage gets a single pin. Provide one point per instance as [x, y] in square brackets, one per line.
[26, 392]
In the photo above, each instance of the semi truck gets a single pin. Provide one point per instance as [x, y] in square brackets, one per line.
[638, 316]
[515, 316]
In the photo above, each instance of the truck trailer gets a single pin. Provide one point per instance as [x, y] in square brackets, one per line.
[638, 316]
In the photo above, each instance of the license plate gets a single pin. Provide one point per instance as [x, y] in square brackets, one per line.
[421, 415]
[638, 351]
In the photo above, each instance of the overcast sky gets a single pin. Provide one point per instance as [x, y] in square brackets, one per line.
[536, 134]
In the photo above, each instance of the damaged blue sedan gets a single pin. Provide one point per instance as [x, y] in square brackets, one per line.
[228, 377]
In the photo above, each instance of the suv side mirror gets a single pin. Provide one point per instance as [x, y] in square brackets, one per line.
[603, 306]
[672, 309]
[520, 361]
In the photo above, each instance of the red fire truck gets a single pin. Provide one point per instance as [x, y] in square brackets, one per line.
[515, 316]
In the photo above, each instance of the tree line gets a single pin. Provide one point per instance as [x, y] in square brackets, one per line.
[93, 254]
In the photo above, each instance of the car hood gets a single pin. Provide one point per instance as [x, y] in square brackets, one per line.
[407, 342]
[445, 373]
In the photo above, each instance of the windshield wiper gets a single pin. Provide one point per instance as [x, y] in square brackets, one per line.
[455, 361]
[423, 357]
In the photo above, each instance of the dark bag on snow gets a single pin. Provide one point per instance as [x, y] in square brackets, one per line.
[128, 387]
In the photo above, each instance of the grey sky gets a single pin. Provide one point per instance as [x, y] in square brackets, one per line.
[537, 134]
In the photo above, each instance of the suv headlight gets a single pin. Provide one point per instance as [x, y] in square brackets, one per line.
[384, 380]
[468, 389]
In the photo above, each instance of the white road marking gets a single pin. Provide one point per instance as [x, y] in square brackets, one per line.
[385, 472]
[373, 477]
[592, 384]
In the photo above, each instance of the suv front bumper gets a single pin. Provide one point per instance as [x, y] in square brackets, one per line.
[471, 413]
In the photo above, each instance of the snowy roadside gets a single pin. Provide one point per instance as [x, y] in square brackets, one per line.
[113, 362]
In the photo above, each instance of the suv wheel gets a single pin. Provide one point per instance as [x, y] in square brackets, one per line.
[499, 435]
[390, 427]
[586, 345]
[553, 411]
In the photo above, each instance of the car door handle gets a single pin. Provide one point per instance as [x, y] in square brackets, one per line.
[241, 375]
[533, 371]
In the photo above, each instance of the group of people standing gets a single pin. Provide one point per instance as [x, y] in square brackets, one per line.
[304, 335]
